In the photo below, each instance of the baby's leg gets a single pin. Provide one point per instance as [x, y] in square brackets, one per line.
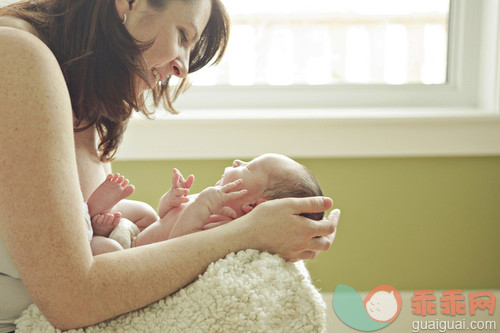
[108, 194]
[102, 245]
[138, 212]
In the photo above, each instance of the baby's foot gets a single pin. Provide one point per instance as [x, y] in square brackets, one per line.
[109, 193]
[103, 224]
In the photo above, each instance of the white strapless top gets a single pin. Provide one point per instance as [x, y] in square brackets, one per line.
[13, 295]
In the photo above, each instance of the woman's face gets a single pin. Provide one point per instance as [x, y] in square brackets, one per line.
[175, 30]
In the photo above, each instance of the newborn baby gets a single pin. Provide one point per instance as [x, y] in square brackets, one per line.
[242, 187]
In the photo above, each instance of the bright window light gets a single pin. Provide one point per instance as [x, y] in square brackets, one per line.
[325, 42]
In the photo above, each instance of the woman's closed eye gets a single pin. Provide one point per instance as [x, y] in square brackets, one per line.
[183, 36]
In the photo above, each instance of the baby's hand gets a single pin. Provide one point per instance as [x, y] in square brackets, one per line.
[214, 198]
[179, 182]
[216, 221]
[180, 188]
[177, 194]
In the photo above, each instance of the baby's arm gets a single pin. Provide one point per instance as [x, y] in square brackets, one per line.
[209, 202]
[177, 194]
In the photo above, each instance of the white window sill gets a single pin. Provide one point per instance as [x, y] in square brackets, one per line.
[320, 133]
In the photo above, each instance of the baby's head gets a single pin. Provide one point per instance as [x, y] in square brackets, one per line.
[268, 177]
[299, 183]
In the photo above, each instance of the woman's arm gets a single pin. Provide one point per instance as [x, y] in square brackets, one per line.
[41, 217]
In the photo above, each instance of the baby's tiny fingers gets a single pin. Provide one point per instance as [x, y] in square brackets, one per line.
[234, 195]
[179, 192]
[189, 181]
[175, 177]
[227, 211]
[229, 186]
[181, 180]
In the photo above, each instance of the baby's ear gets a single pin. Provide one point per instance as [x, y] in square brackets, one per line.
[248, 207]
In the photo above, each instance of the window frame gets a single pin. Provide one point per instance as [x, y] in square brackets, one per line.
[460, 117]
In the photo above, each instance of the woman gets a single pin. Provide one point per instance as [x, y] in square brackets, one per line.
[72, 72]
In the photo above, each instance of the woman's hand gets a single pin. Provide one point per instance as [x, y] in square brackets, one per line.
[277, 227]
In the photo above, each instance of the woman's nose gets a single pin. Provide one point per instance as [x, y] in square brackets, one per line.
[180, 66]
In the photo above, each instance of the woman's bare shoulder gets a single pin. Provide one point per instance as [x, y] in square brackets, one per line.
[21, 53]
[31, 75]
[20, 39]
[33, 95]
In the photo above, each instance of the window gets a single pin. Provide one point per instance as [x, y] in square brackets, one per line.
[450, 108]
[322, 42]
[368, 54]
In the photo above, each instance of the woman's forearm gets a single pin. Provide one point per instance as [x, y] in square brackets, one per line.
[123, 281]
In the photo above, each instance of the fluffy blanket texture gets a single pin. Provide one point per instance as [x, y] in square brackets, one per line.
[245, 292]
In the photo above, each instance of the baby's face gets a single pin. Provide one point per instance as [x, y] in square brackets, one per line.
[258, 169]
[256, 173]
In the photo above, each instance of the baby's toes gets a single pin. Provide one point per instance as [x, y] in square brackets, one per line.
[128, 189]
[114, 177]
[124, 183]
[120, 179]
[115, 220]
[98, 219]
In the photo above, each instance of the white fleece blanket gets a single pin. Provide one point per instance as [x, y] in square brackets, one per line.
[244, 292]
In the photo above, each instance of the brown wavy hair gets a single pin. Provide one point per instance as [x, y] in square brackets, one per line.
[100, 60]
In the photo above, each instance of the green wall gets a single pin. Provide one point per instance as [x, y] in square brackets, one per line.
[414, 223]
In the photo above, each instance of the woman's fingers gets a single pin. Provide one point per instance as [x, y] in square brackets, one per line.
[325, 232]
[316, 245]
[298, 237]
[328, 225]
[320, 244]
[307, 255]
[309, 204]
[334, 216]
